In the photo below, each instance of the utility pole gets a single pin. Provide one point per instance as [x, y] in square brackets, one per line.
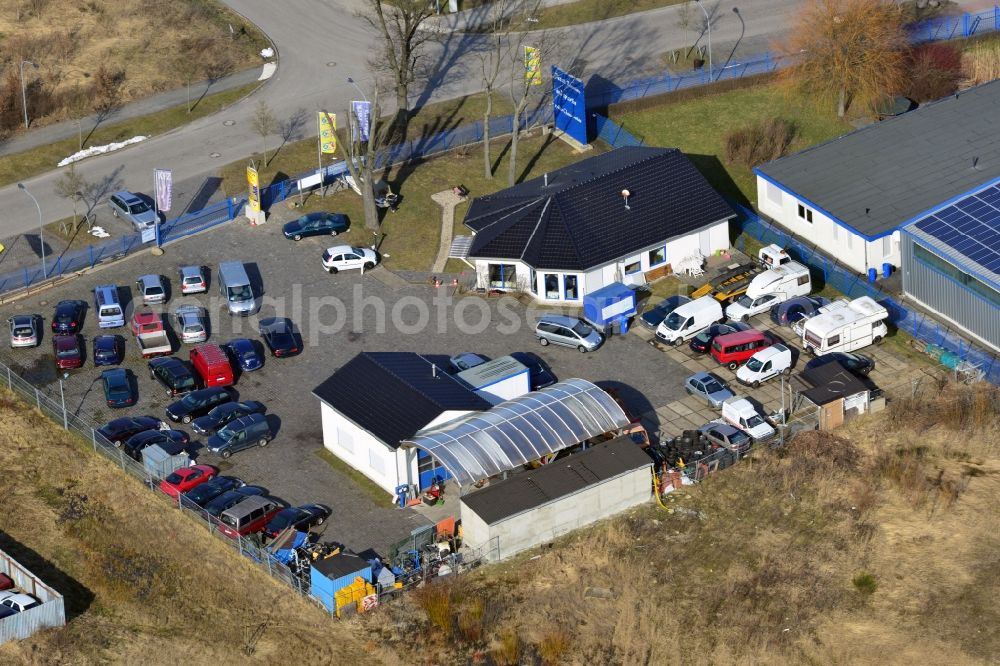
[708, 24]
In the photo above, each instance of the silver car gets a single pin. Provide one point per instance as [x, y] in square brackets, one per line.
[728, 437]
[191, 324]
[24, 330]
[192, 279]
[152, 289]
[567, 331]
[709, 387]
[131, 207]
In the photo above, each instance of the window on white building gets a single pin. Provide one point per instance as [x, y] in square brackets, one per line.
[886, 246]
[551, 285]
[805, 213]
[850, 240]
[345, 440]
[658, 256]
[534, 281]
[633, 267]
[570, 284]
[774, 194]
[376, 462]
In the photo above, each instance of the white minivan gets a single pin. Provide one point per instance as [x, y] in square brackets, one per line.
[689, 319]
[108, 307]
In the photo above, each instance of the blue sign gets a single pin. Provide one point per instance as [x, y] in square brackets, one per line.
[569, 106]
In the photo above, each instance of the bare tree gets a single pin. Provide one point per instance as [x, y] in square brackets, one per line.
[72, 186]
[506, 23]
[848, 50]
[265, 124]
[520, 90]
[360, 154]
[403, 44]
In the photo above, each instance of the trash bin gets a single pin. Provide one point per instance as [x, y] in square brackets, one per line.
[872, 274]
[886, 269]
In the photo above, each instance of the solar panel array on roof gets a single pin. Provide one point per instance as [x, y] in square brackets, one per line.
[970, 227]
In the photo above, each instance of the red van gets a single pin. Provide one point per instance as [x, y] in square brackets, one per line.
[733, 349]
[248, 516]
[212, 365]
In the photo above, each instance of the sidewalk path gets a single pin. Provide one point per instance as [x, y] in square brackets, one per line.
[44, 136]
[448, 200]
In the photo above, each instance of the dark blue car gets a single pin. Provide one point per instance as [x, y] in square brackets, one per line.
[316, 224]
[118, 389]
[208, 491]
[244, 352]
[655, 315]
[108, 350]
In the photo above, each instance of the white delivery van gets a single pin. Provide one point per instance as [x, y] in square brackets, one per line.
[768, 362]
[689, 319]
[769, 288]
[741, 413]
[848, 326]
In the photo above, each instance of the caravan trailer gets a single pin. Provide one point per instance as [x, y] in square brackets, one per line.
[844, 326]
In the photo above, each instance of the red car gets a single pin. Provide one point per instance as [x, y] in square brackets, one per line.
[187, 478]
[68, 350]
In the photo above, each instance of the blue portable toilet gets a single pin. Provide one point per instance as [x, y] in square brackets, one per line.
[329, 576]
[609, 305]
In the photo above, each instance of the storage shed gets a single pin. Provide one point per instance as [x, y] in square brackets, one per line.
[501, 379]
[159, 460]
[609, 306]
[836, 394]
[334, 574]
[536, 506]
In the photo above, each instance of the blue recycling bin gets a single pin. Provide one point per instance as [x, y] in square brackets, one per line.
[886, 269]
[872, 274]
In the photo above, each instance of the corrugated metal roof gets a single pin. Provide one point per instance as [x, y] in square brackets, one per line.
[460, 247]
[493, 371]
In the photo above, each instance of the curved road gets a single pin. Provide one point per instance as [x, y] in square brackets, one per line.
[320, 43]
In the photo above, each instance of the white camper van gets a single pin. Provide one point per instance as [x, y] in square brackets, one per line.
[844, 326]
[689, 319]
[769, 288]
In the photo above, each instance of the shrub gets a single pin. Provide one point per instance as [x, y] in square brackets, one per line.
[759, 142]
[436, 602]
[508, 650]
[981, 62]
[935, 71]
[553, 646]
[470, 621]
[865, 583]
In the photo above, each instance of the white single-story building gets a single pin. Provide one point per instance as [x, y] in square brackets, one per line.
[610, 218]
[851, 197]
[535, 507]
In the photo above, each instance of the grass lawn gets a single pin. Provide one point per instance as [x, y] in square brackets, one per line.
[39, 160]
[585, 11]
[698, 127]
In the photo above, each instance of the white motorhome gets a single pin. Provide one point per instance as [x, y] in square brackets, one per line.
[769, 288]
[844, 326]
[689, 319]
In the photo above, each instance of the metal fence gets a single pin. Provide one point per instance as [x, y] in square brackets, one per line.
[51, 612]
[612, 133]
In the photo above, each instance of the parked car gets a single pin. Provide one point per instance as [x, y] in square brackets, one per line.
[856, 364]
[175, 376]
[212, 365]
[702, 342]
[249, 516]
[186, 478]
[796, 308]
[244, 354]
[132, 208]
[24, 330]
[68, 317]
[136, 443]
[689, 319]
[567, 331]
[344, 257]
[120, 430]
[18, 601]
[539, 374]
[727, 436]
[118, 387]
[6, 582]
[231, 498]
[301, 518]
[709, 387]
[68, 350]
[192, 324]
[239, 434]
[192, 279]
[6, 611]
[316, 224]
[280, 337]
[466, 360]
[108, 350]
[152, 289]
[765, 364]
[208, 491]
[198, 403]
[741, 413]
[655, 315]
[224, 413]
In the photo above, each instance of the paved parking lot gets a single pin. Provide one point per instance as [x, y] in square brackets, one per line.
[338, 317]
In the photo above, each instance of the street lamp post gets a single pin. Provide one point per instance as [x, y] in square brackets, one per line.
[41, 230]
[708, 24]
[358, 88]
[62, 398]
[24, 97]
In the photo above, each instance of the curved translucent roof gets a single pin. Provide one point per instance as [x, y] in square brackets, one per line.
[484, 444]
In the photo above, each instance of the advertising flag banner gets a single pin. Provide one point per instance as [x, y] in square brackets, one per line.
[569, 104]
[164, 186]
[362, 111]
[253, 190]
[532, 66]
[328, 132]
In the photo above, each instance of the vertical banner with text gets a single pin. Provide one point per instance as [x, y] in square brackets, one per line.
[164, 187]
[328, 132]
[253, 190]
[532, 66]
[569, 105]
[362, 112]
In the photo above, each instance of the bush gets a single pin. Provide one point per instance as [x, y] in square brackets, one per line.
[865, 583]
[981, 62]
[759, 142]
[935, 72]
[436, 602]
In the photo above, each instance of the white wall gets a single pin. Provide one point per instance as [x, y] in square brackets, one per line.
[506, 389]
[545, 523]
[363, 451]
[833, 239]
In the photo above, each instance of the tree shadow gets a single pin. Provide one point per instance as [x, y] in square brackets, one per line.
[77, 597]
[291, 129]
[715, 173]
[533, 160]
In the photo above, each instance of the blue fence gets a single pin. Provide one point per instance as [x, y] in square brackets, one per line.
[961, 26]
[938, 338]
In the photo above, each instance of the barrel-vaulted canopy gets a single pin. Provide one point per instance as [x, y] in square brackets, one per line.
[484, 444]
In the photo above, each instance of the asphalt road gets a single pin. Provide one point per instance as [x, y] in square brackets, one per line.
[321, 43]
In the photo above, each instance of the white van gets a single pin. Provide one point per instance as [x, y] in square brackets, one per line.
[845, 326]
[769, 288]
[768, 362]
[689, 319]
[108, 307]
[234, 284]
[741, 413]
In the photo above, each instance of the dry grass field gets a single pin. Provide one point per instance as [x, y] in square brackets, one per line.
[143, 584]
[105, 52]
